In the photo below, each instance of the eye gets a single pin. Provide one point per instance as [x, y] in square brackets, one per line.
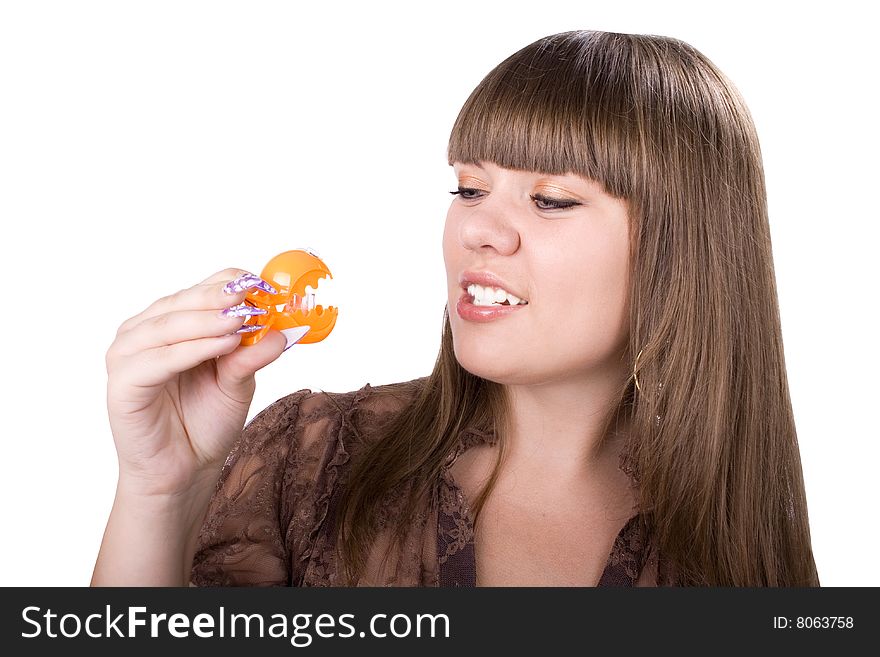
[547, 203]
[466, 192]
[542, 202]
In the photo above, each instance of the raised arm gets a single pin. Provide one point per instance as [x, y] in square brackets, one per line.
[178, 392]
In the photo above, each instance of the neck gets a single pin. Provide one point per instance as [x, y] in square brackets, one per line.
[556, 427]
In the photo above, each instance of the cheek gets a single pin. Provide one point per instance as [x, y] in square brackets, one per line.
[588, 276]
[607, 282]
[450, 244]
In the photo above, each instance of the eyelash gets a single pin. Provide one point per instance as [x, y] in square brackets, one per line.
[555, 204]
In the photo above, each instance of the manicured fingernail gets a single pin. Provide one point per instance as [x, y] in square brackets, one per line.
[294, 335]
[250, 328]
[242, 310]
[248, 281]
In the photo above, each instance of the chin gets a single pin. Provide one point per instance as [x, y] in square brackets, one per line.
[489, 367]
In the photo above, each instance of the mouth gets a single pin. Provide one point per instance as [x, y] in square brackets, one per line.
[471, 310]
[485, 288]
[479, 295]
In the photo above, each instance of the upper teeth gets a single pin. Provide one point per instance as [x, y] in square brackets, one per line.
[485, 296]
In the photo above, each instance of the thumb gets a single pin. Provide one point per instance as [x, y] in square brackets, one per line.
[235, 371]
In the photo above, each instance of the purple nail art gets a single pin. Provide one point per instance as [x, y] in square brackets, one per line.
[250, 328]
[243, 310]
[246, 282]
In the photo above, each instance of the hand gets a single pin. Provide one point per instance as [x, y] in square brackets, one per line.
[180, 385]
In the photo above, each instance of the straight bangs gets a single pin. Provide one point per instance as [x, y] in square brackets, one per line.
[559, 106]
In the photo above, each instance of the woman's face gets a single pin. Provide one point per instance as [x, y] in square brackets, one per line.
[571, 264]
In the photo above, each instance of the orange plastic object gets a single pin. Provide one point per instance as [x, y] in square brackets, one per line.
[289, 273]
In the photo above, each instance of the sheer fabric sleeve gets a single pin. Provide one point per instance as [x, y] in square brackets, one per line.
[242, 541]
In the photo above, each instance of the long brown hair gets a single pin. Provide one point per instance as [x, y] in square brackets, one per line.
[712, 447]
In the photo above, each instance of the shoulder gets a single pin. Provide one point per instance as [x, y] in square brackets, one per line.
[315, 425]
[332, 428]
[274, 491]
[358, 410]
[380, 399]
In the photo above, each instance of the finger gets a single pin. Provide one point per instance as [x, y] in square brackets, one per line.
[223, 275]
[235, 371]
[154, 367]
[216, 292]
[182, 326]
[248, 281]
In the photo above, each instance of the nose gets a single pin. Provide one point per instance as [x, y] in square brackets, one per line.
[490, 225]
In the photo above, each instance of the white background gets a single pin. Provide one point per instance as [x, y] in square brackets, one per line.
[144, 146]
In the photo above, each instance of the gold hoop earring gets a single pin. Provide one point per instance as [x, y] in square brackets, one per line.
[635, 367]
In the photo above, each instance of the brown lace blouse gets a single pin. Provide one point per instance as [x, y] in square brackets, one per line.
[269, 521]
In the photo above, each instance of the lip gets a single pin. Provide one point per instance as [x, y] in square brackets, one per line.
[469, 312]
[486, 279]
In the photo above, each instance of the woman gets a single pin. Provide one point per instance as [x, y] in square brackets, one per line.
[626, 422]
